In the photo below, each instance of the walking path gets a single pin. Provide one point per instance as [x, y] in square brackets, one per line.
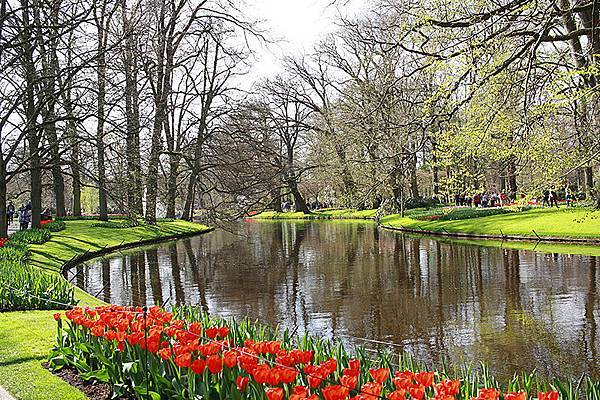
[4, 395]
[12, 228]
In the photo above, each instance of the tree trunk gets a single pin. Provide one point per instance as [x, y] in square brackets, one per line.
[298, 199]
[134, 170]
[189, 199]
[172, 185]
[51, 72]
[102, 201]
[512, 179]
[101, 75]
[3, 218]
[414, 185]
[58, 184]
[589, 179]
[151, 182]
[31, 113]
[74, 162]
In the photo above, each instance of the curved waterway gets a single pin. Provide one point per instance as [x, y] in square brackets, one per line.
[345, 279]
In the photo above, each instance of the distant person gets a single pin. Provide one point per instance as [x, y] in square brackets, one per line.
[568, 196]
[46, 214]
[553, 198]
[10, 213]
[24, 217]
[546, 198]
[484, 200]
[477, 200]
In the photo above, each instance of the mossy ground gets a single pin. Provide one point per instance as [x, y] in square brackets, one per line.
[27, 337]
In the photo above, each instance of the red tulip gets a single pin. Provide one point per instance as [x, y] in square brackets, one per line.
[56, 315]
[380, 374]
[215, 364]
[223, 331]
[490, 394]
[183, 360]
[551, 395]
[447, 387]
[403, 379]
[522, 395]
[335, 392]
[230, 358]
[424, 379]
[242, 383]
[274, 393]
[397, 395]
[349, 381]
[198, 366]
[417, 392]
[370, 390]
[211, 333]
[165, 353]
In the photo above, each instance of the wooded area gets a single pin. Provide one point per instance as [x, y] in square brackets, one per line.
[145, 107]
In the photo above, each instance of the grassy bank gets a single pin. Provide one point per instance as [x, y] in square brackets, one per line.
[562, 223]
[27, 337]
[319, 214]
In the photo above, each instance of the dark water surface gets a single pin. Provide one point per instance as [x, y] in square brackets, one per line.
[511, 309]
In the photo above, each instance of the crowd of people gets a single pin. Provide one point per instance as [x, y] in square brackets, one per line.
[23, 215]
[482, 199]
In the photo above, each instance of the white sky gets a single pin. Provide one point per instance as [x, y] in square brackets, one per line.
[297, 25]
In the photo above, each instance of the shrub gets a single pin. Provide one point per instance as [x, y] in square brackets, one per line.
[187, 354]
[31, 236]
[55, 226]
[468, 213]
[420, 202]
[128, 223]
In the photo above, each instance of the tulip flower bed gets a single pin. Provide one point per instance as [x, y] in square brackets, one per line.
[185, 354]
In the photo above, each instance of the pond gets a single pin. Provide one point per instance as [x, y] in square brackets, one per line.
[351, 281]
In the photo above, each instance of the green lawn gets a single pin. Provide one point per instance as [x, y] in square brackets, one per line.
[321, 214]
[564, 223]
[27, 337]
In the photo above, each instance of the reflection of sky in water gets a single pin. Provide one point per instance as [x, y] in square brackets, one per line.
[347, 279]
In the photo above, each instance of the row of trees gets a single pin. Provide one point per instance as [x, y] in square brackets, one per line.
[142, 100]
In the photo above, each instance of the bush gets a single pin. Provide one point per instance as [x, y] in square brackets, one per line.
[129, 223]
[420, 202]
[468, 213]
[55, 226]
[31, 236]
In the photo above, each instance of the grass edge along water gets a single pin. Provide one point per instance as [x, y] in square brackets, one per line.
[153, 353]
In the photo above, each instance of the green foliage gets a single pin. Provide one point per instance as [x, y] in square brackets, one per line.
[55, 226]
[421, 202]
[31, 236]
[89, 199]
[24, 287]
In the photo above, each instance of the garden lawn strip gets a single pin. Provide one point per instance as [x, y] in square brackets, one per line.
[324, 214]
[26, 338]
[560, 223]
